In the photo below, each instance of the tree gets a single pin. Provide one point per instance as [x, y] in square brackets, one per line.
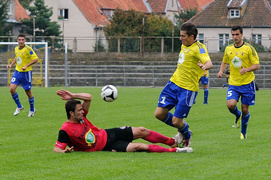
[4, 26]
[185, 16]
[43, 25]
[130, 23]
[25, 3]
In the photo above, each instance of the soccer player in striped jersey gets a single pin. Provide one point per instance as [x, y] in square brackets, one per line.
[182, 88]
[243, 60]
[25, 57]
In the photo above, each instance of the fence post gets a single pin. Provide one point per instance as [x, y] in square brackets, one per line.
[118, 45]
[162, 46]
[74, 44]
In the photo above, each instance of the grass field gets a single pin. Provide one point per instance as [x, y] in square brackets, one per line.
[26, 150]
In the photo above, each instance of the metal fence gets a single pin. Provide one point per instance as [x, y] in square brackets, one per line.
[137, 44]
[136, 75]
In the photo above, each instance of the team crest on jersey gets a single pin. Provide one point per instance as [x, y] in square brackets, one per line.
[90, 138]
[181, 58]
[237, 62]
[19, 60]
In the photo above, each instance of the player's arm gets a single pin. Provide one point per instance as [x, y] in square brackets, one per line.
[12, 63]
[30, 64]
[62, 142]
[223, 66]
[206, 66]
[59, 150]
[249, 69]
[67, 95]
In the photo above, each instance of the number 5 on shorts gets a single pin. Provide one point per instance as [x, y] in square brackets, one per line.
[229, 93]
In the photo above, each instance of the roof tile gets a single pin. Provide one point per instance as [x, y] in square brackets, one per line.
[256, 14]
[20, 12]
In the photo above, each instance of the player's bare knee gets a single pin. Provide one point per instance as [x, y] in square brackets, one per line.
[159, 115]
[144, 131]
[12, 90]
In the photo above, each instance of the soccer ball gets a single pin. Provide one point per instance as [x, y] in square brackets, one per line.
[109, 93]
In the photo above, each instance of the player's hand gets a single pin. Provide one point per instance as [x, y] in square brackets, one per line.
[65, 95]
[8, 66]
[219, 74]
[24, 68]
[243, 70]
[69, 150]
[201, 65]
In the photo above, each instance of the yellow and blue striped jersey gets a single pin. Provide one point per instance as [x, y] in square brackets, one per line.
[23, 57]
[188, 72]
[243, 56]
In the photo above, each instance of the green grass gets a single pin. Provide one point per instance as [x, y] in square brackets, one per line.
[26, 150]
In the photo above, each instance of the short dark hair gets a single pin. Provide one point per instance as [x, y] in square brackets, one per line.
[71, 106]
[21, 35]
[190, 29]
[235, 28]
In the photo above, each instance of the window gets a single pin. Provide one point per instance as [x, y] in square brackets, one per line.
[257, 38]
[223, 40]
[10, 8]
[234, 13]
[201, 38]
[63, 14]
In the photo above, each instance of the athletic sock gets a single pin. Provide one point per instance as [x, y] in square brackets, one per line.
[31, 102]
[168, 119]
[184, 131]
[17, 100]
[159, 149]
[245, 119]
[206, 93]
[236, 112]
[155, 137]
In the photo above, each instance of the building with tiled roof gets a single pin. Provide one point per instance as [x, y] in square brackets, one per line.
[83, 20]
[215, 21]
[16, 13]
[190, 4]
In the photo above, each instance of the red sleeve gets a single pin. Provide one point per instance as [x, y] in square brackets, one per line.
[61, 145]
[63, 140]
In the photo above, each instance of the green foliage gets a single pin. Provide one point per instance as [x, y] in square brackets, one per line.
[25, 3]
[185, 16]
[43, 24]
[4, 26]
[100, 47]
[27, 143]
[130, 23]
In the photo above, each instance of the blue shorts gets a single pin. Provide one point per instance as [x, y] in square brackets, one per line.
[204, 79]
[247, 93]
[23, 78]
[175, 96]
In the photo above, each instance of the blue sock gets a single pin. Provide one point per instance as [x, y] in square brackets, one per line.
[31, 102]
[184, 131]
[244, 123]
[206, 93]
[17, 100]
[168, 119]
[236, 112]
